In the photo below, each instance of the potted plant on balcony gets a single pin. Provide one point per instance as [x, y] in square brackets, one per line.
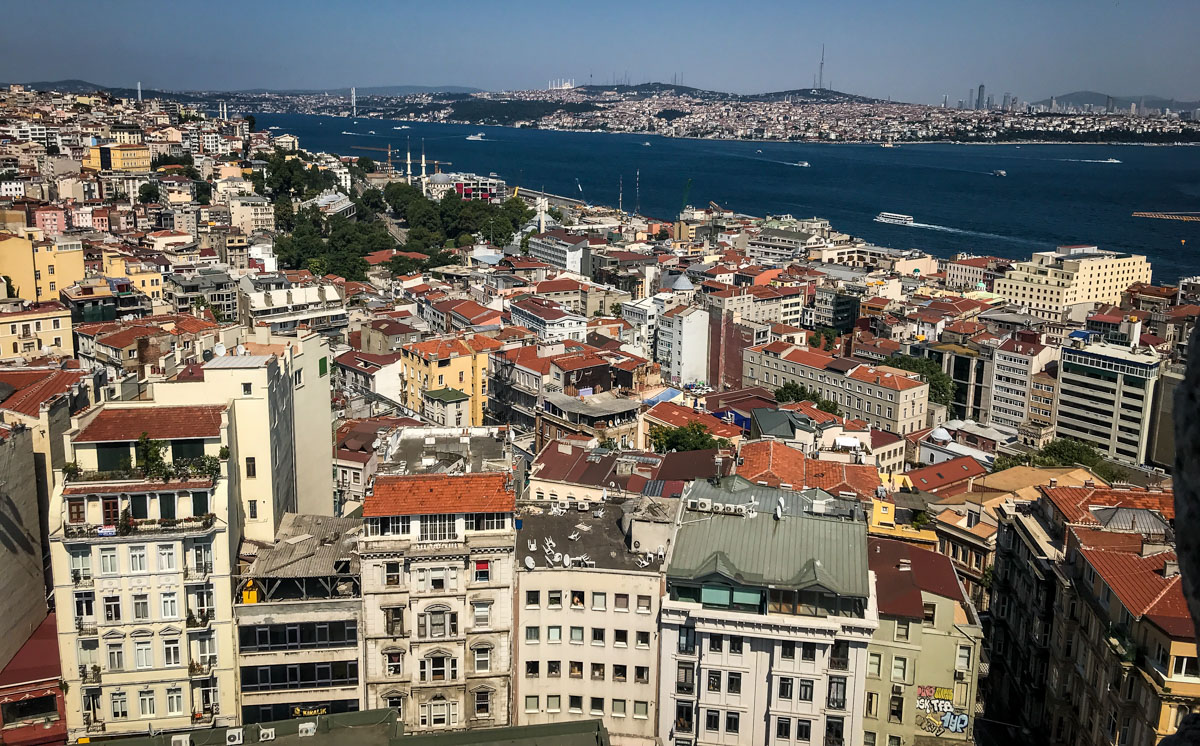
[223, 454]
[71, 470]
[125, 524]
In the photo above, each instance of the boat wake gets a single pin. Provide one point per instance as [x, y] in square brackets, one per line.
[1086, 160]
[964, 232]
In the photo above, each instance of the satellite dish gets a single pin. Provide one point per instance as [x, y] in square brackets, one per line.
[241, 350]
[529, 563]
[778, 512]
[566, 560]
[218, 349]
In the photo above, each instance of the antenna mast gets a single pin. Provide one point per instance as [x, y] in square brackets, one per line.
[821, 74]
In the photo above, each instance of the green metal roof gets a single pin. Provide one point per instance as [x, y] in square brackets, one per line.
[566, 733]
[795, 552]
[447, 396]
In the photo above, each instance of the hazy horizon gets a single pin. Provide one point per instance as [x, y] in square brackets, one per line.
[918, 53]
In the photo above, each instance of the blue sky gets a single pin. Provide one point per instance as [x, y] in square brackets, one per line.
[913, 51]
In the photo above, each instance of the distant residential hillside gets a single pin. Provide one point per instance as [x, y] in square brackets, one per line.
[1100, 100]
[798, 94]
[83, 86]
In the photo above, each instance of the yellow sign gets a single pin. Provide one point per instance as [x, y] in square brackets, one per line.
[305, 712]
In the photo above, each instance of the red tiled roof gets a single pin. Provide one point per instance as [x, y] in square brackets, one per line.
[774, 463]
[899, 590]
[1138, 581]
[101, 488]
[946, 474]
[489, 492]
[34, 388]
[675, 415]
[1074, 502]
[158, 422]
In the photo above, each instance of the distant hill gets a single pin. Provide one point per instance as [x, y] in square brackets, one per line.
[379, 90]
[1099, 100]
[804, 94]
[83, 86]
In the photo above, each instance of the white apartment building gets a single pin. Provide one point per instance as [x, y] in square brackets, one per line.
[252, 213]
[765, 631]
[683, 344]
[586, 625]
[775, 246]
[142, 569]
[1015, 363]
[1106, 395]
[548, 320]
[437, 580]
[887, 398]
[284, 309]
[560, 249]
[1052, 283]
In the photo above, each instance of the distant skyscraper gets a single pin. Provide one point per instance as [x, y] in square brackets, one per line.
[1007, 100]
[1053, 103]
[945, 99]
[1108, 105]
[991, 104]
[353, 102]
[979, 101]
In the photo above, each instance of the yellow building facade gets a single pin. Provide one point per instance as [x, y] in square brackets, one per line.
[38, 270]
[110, 157]
[454, 363]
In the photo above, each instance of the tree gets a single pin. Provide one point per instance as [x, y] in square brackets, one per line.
[615, 309]
[285, 216]
[251, 121]
[203, 192]
[1065, 452]
[793, 392]
[693, 436]
[941, 386]
[663, 234]
[366, 164]
[148, 192]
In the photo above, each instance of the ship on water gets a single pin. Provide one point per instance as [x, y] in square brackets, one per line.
[894, 218]
[476, 137]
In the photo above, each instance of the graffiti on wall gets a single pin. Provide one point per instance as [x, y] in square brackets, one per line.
[938, 716]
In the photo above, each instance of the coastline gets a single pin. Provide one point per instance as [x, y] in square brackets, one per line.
[635, 133]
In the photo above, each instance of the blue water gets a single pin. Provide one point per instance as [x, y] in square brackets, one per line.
[1053, 194]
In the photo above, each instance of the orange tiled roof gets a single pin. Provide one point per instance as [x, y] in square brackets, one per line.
[488, 492]
[775, 463]
[1074, 502]
[676, 415]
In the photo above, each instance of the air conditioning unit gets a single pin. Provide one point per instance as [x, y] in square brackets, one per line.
[740, 509]
[693, 504]
[181, 739]
[582, 506]
[732, 509]
[307, 730]
[233, 737]
[705, 505]
[266, 734]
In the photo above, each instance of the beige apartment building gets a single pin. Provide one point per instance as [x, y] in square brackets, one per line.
[34, 329]
[251, 213]
[923, 662]
[1052, 283]
[436, 557]
[887, 398]
[142, 570]
[585, 635]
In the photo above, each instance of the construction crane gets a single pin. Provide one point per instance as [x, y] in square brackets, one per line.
[388, 150]
[1190, 217]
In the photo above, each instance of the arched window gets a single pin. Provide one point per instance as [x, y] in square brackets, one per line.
[482, 657]
[437, 622]
[439, 665]
[481, 699]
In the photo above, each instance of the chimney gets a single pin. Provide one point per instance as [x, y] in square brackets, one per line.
[1171, 569]
[1053, 481]
[1089, 483]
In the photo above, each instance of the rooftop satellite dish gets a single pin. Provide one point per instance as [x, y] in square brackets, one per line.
[218, 349]
[566, 560]
[241, 350]
[529, 563]
[778, 512]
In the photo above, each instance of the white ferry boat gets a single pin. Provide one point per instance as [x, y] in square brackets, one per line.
[888, 144]
[894, 218]
[999, 172]
[402, 127]
[476, 137]
[1111, 160]
[802, 164]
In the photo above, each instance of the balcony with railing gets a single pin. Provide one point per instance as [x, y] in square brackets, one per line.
[90, 674]
[836, 702]
[199, 620]
[92, 723]
[197, 572]
[82, 579]
[205, 715]
[141, 527]
[839, 663]
[201, 668]
[86, 626]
